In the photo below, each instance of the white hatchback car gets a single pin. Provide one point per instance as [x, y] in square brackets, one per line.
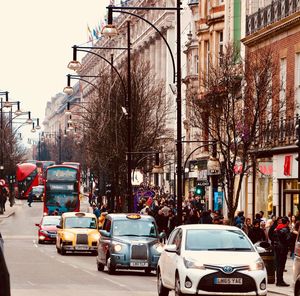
[203, 259]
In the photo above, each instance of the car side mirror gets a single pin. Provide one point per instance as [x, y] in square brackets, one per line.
[162, 235]
[58, 226]
[37, 224]
[171, 248]
[104, 233]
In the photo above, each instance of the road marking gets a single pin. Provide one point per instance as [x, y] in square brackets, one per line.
[91, 273]
[114, 282]
[30, 283]
[74, 266]
[61, 261]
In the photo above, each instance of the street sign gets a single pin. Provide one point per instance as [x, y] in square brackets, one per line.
[203, 183]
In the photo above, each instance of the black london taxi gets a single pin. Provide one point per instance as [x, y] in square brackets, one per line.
[129, 241]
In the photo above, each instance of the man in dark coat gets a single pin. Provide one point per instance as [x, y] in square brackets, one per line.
[256, 234]
[282, 237]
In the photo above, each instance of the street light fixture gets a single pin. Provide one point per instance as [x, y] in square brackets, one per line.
[18, 112]
[29, 120]
[74, 64]
[33, 129]
[176, 77]
[38, 127]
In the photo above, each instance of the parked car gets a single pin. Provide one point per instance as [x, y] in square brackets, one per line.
[296, 267]
[38, 192]
[129, 241]
[48, 229]
[77, 232]
[203, 259]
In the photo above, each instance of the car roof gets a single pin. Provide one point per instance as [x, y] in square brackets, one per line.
[122, 216]
[74, 214]
[208, 226]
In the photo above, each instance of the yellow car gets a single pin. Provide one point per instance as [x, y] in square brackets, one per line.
[77, 232]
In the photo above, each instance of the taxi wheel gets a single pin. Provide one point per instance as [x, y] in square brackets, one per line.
[177, 286]
[100, 266]
[58, 250]
[62, 250]
[110, 267]
[148, 270]
[161, 289]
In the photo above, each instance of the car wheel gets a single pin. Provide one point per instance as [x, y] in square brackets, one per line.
[177, 286]
[148, 270]
[110, 267]
[62, 250]
[40, 241]
[100, 266]
[297, 293]
[161, 289]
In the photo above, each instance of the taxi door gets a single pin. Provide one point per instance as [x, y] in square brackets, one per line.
[104, 242]
[59, 232]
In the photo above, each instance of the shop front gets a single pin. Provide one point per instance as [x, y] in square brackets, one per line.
[288, 188]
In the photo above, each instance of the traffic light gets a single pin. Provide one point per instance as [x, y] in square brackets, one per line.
[200, 190]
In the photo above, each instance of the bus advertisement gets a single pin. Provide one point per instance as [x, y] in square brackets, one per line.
[62, 191]
[26, 177]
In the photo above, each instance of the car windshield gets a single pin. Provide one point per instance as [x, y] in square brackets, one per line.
[80, 222]
[134, 228]
[51, 220]
[216, 240]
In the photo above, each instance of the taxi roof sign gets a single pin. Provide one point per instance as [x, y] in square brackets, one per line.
[134, 216]
[80, 214]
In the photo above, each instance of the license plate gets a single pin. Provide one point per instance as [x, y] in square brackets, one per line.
[82, 248]
[228, 281]
[138, 264]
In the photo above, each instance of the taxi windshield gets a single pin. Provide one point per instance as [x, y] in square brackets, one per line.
[80, 222]
[135, 227]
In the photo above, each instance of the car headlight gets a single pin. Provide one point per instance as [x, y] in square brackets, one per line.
[159, 247]
[189, 263]
[117, 248]
[257, 265]
[95, 236]
[68, 236]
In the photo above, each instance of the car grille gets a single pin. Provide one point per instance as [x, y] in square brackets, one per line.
[207, 283]
[82, 239]
[139, 252]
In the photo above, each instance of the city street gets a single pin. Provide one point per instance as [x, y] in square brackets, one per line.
[38, 270]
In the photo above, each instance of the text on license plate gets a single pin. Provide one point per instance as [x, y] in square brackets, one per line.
[228, 281]
[138, 264]
[82, 247]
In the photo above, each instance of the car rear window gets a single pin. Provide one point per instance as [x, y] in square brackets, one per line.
[217, 240]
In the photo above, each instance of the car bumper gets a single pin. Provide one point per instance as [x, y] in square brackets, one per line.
[122, 261]
[45, 238]
[80, 248]
[195, 276]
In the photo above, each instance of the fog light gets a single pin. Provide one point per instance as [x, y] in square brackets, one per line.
[188, 283]
[263, 285]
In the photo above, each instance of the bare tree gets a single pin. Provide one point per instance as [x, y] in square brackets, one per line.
[106, 124]
[239, 106]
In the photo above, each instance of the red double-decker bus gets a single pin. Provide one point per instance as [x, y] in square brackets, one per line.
[62, 189]
[42, 166]
[26, 176]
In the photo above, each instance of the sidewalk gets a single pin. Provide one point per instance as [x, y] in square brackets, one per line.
[9, 211]
[288, 278]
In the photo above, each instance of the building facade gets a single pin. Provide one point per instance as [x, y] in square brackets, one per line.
[274, 188]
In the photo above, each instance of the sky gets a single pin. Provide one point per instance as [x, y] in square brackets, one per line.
[36, 37]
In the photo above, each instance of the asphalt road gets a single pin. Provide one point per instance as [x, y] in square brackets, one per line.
[38, 270]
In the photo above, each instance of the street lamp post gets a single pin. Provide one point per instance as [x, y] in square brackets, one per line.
[110, 30]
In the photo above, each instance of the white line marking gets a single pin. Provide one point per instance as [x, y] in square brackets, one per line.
[114, 282]
[91, 273]
[30, 283]
[74, 266]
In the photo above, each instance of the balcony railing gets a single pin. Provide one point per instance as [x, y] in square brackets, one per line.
[278, 134]
[272, 13]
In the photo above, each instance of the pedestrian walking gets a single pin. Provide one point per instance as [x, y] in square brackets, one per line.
[3, 198]
[30, 198]
[281, 239]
